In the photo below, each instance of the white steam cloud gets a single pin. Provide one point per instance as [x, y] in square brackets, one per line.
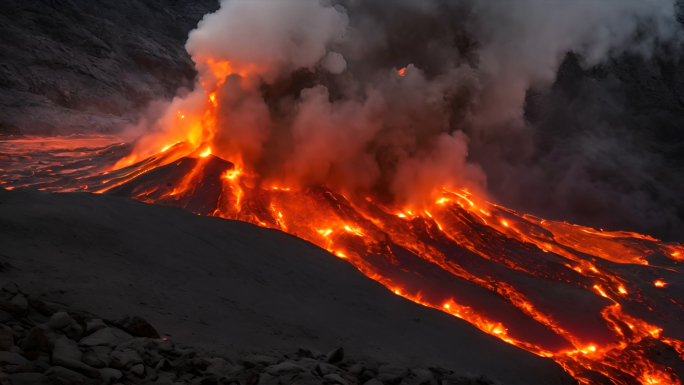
[268, 37]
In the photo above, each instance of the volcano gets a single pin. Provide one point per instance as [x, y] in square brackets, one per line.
[601, 304]
[380, 151]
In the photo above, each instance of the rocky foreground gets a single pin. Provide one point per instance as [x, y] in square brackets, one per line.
[41, 343]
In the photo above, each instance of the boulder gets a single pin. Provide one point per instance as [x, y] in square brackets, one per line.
[357, 369]
[67, 354]
[28, 379]
[136, 343]
[223, 369]
[63, 322]
[21, 302]
[110, 376]
[422, 376]
[164, 364]
[306, 378]
[66, 350]
[335, 355]
[257, 359]
[166, 379]
[373, 381]
[6, 338]
[106, 337]
[39, 339]
[11, 288]
[94, 325]
[138, 327]
[9, 358]
[268, 379]
[35, 316]
[323, 369]
[59, 320]
[284, 367]
[303, 351]
[308, 363]
[336, 378]
[42, 308]
[138, 370]
[5, 316]
[152, 375]
[125, 359]
[97, 356]
[60, 374]
[389, 378]
[23, 368]
[152, 358]
[11, 307]
[393, 370]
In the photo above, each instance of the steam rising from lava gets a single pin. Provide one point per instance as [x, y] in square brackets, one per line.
[284, 104]
[307, 92]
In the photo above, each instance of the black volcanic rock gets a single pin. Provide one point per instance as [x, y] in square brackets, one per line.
[335, 355]
[90, 65]
[138, 327]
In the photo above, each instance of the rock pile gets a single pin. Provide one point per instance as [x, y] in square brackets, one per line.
[40, 344]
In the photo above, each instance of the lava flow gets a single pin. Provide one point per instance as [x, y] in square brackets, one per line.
[596, 302]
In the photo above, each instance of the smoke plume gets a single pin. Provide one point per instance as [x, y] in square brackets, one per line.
[309, 92]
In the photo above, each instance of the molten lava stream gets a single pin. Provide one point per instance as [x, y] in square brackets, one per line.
[370, 239]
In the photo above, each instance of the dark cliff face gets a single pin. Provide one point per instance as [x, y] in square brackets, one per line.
[91, 65]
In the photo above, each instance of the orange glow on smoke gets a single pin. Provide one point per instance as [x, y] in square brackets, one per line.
[402, 71]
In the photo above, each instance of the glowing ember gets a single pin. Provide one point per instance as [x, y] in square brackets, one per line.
[402, 71]
[659, 283]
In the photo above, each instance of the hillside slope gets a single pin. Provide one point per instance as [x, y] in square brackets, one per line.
[232, 286]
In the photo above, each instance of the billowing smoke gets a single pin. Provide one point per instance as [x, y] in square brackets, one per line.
[308, 92]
